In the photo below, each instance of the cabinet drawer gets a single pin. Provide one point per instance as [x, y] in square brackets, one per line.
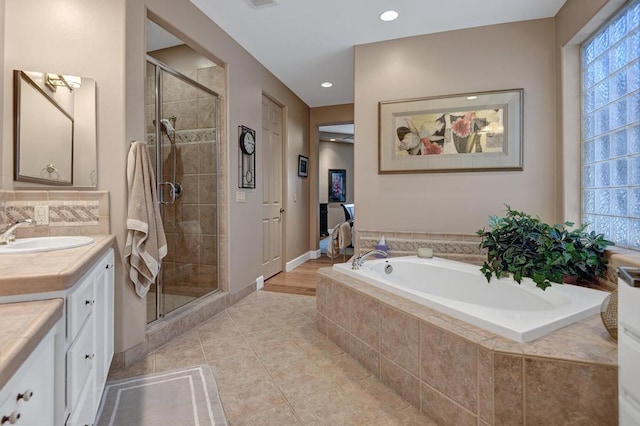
[628, 302]
[628, 356]
[83, 413]
[80, 362]
[80, 304]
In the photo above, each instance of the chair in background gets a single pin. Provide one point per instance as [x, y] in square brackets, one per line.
[349, 211]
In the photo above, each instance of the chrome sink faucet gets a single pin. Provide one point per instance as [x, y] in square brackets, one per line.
[8, 234]
[358, 261]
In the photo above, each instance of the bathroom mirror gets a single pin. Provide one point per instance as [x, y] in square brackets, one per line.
[54, 129]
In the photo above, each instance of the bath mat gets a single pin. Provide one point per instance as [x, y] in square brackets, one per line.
[182, 397]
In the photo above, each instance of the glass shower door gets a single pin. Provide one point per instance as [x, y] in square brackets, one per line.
[182, 114]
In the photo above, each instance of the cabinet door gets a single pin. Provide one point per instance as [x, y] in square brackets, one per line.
[104, 320]
[28, 397]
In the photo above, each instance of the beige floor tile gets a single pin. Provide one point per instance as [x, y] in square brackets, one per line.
[302, 380]
[183, 351]
[280, 415]
[328, 408]
[242, 400]
[272, 367]
[409, 416]
[236, 369]
[342, 369]
[371, 395]
[228, 347]
[145, 366]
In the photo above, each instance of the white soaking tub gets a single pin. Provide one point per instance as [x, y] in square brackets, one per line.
[520, 312]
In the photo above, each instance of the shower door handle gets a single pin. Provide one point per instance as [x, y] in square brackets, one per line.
[172, 191]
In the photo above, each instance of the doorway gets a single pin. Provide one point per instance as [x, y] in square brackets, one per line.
[272, 203]
[335, 181]
[183, 126]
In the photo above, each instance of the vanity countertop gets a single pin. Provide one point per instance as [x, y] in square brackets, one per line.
[22, 327]
[49, 271]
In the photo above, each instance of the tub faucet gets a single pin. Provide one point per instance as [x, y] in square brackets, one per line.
[358, 261]
[8, 234]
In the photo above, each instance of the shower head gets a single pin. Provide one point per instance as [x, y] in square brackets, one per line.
[168, 128]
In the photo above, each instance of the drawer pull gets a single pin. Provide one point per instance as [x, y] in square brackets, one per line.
[11, 418]
[26, 396]
[89, 356]
[89, 302]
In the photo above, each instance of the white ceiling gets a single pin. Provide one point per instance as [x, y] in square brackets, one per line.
[307, 42]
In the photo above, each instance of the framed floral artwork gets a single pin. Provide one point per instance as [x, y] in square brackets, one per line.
[458, 133]
[337, 185]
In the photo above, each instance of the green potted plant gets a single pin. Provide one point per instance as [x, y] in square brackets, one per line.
[524, 246]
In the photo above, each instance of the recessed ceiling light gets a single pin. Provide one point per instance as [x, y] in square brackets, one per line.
[327, 84]
[472, 97]
[389, 15]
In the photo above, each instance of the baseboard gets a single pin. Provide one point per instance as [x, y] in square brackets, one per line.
[290, 266]
[316, 254]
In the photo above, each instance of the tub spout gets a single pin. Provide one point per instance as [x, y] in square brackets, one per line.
[358, 261]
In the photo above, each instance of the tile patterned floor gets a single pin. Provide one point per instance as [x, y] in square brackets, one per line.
[273, 367]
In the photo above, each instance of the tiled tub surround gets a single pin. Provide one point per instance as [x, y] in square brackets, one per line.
[461, 247]
[466, 248]
[70, 212]
[459, 374]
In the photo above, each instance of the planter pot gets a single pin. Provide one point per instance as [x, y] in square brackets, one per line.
[569, 279]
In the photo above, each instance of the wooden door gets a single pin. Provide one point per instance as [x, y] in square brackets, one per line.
[272, 204]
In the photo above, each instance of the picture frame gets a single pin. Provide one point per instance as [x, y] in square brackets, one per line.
[469, 132]
[337, 185]
[303, 166]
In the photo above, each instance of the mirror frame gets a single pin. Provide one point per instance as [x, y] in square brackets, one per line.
[18, 77]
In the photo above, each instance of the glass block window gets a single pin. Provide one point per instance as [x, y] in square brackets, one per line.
[611, 128]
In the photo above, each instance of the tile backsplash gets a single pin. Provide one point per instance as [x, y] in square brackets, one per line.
[70, 212]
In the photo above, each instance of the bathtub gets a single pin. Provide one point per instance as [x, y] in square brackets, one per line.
[518, 312]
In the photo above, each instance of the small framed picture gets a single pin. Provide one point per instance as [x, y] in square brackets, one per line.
[337, 185]
[303, 166]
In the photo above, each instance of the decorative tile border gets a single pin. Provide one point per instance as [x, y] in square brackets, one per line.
[70, 212]
[462, 247]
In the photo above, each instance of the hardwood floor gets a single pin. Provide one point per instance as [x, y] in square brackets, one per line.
[301, 280]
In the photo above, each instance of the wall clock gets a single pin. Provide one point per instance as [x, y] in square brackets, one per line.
[246, 157]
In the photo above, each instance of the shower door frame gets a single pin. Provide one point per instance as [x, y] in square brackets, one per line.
[159, 68]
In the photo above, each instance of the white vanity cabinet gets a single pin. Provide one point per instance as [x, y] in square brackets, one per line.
[89, 341]
[28, 397]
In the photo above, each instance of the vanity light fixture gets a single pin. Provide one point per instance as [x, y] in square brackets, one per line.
[327, 84]
[389, 15]
[53, 81]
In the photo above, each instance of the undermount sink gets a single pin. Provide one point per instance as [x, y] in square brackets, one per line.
[39, 244]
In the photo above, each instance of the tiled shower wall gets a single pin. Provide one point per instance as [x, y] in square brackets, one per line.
[191, 224]
[70, 212]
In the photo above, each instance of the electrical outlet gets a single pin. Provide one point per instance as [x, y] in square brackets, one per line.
[42, 215]
[240, 197]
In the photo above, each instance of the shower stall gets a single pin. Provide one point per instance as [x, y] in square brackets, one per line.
[182, 134]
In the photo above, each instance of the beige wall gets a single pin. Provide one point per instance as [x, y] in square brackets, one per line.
[517, 55]
[106, 41]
